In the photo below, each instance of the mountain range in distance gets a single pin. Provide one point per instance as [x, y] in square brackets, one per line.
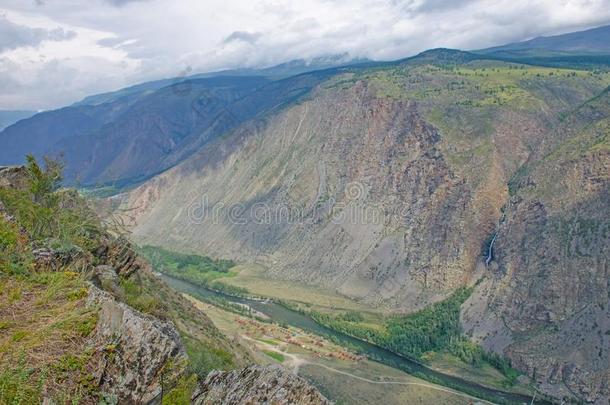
[95, 135]
[9, 117]
[589, 42]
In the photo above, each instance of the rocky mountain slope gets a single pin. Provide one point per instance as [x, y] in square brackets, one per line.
[388, 183]
[82, 317]
[134, 136]
[545, 302]
[123, 137]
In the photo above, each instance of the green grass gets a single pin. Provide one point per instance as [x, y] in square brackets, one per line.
[279, 357]
[17, 386]
[45, 347]
[204, 358]
[199, 270]
[269, 341]
[137, 296]
[180, 394]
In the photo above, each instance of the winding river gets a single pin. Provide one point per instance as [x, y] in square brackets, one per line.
[281, 314]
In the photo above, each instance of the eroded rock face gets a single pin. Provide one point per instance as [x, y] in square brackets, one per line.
[546, 301]
[120, 254]
[133, 350]
[13, 177]
[270, 385]
[352, 192]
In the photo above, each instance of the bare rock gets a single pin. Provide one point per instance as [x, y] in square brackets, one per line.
[135, 351]
[105, 278]
[256, 385]
[120, 254]
[49, 259]
[13, 177]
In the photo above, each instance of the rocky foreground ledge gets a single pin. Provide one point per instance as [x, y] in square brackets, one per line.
[256, 385]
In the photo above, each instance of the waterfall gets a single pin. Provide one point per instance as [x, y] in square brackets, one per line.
[490, 249]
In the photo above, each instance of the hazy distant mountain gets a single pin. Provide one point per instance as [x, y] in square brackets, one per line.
[133, 133]
[9, 117]
[283, 70]
[297, 66]
[129, 137]
[594, 41]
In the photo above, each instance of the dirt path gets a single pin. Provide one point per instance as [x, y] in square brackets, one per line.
[433, 387]
[296, 361]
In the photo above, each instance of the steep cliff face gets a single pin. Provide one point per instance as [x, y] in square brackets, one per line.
[383, 184]
[545, 302]
[346, 182]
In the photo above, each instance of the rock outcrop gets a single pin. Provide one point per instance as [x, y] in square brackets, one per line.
[256, 385]
[13, 177]
[134, 351]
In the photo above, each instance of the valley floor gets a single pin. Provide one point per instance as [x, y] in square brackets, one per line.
[252, 278]
[306, 298]
[342, 376]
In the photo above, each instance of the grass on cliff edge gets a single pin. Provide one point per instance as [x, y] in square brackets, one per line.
[44, 323]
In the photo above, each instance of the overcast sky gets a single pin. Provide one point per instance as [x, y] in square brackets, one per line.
[55, 52]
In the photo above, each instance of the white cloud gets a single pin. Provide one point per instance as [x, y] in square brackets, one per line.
[119, 42]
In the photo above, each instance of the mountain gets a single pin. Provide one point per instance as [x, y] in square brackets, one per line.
[591, 42]
[156, 131]
[127, 136]
[545, 302]
[8, 117]
[283, 70]
[395, 185]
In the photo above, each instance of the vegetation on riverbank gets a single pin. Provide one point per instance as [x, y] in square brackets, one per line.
[196, 269]
[434, 329]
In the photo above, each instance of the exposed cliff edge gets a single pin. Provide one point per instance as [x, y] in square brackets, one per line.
[82, 317]
[134, 350]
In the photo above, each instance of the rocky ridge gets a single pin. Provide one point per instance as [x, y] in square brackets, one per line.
[256, 385]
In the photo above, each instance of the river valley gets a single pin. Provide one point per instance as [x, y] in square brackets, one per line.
[283, 315]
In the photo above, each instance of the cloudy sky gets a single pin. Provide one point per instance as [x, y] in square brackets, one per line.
[55, 52]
